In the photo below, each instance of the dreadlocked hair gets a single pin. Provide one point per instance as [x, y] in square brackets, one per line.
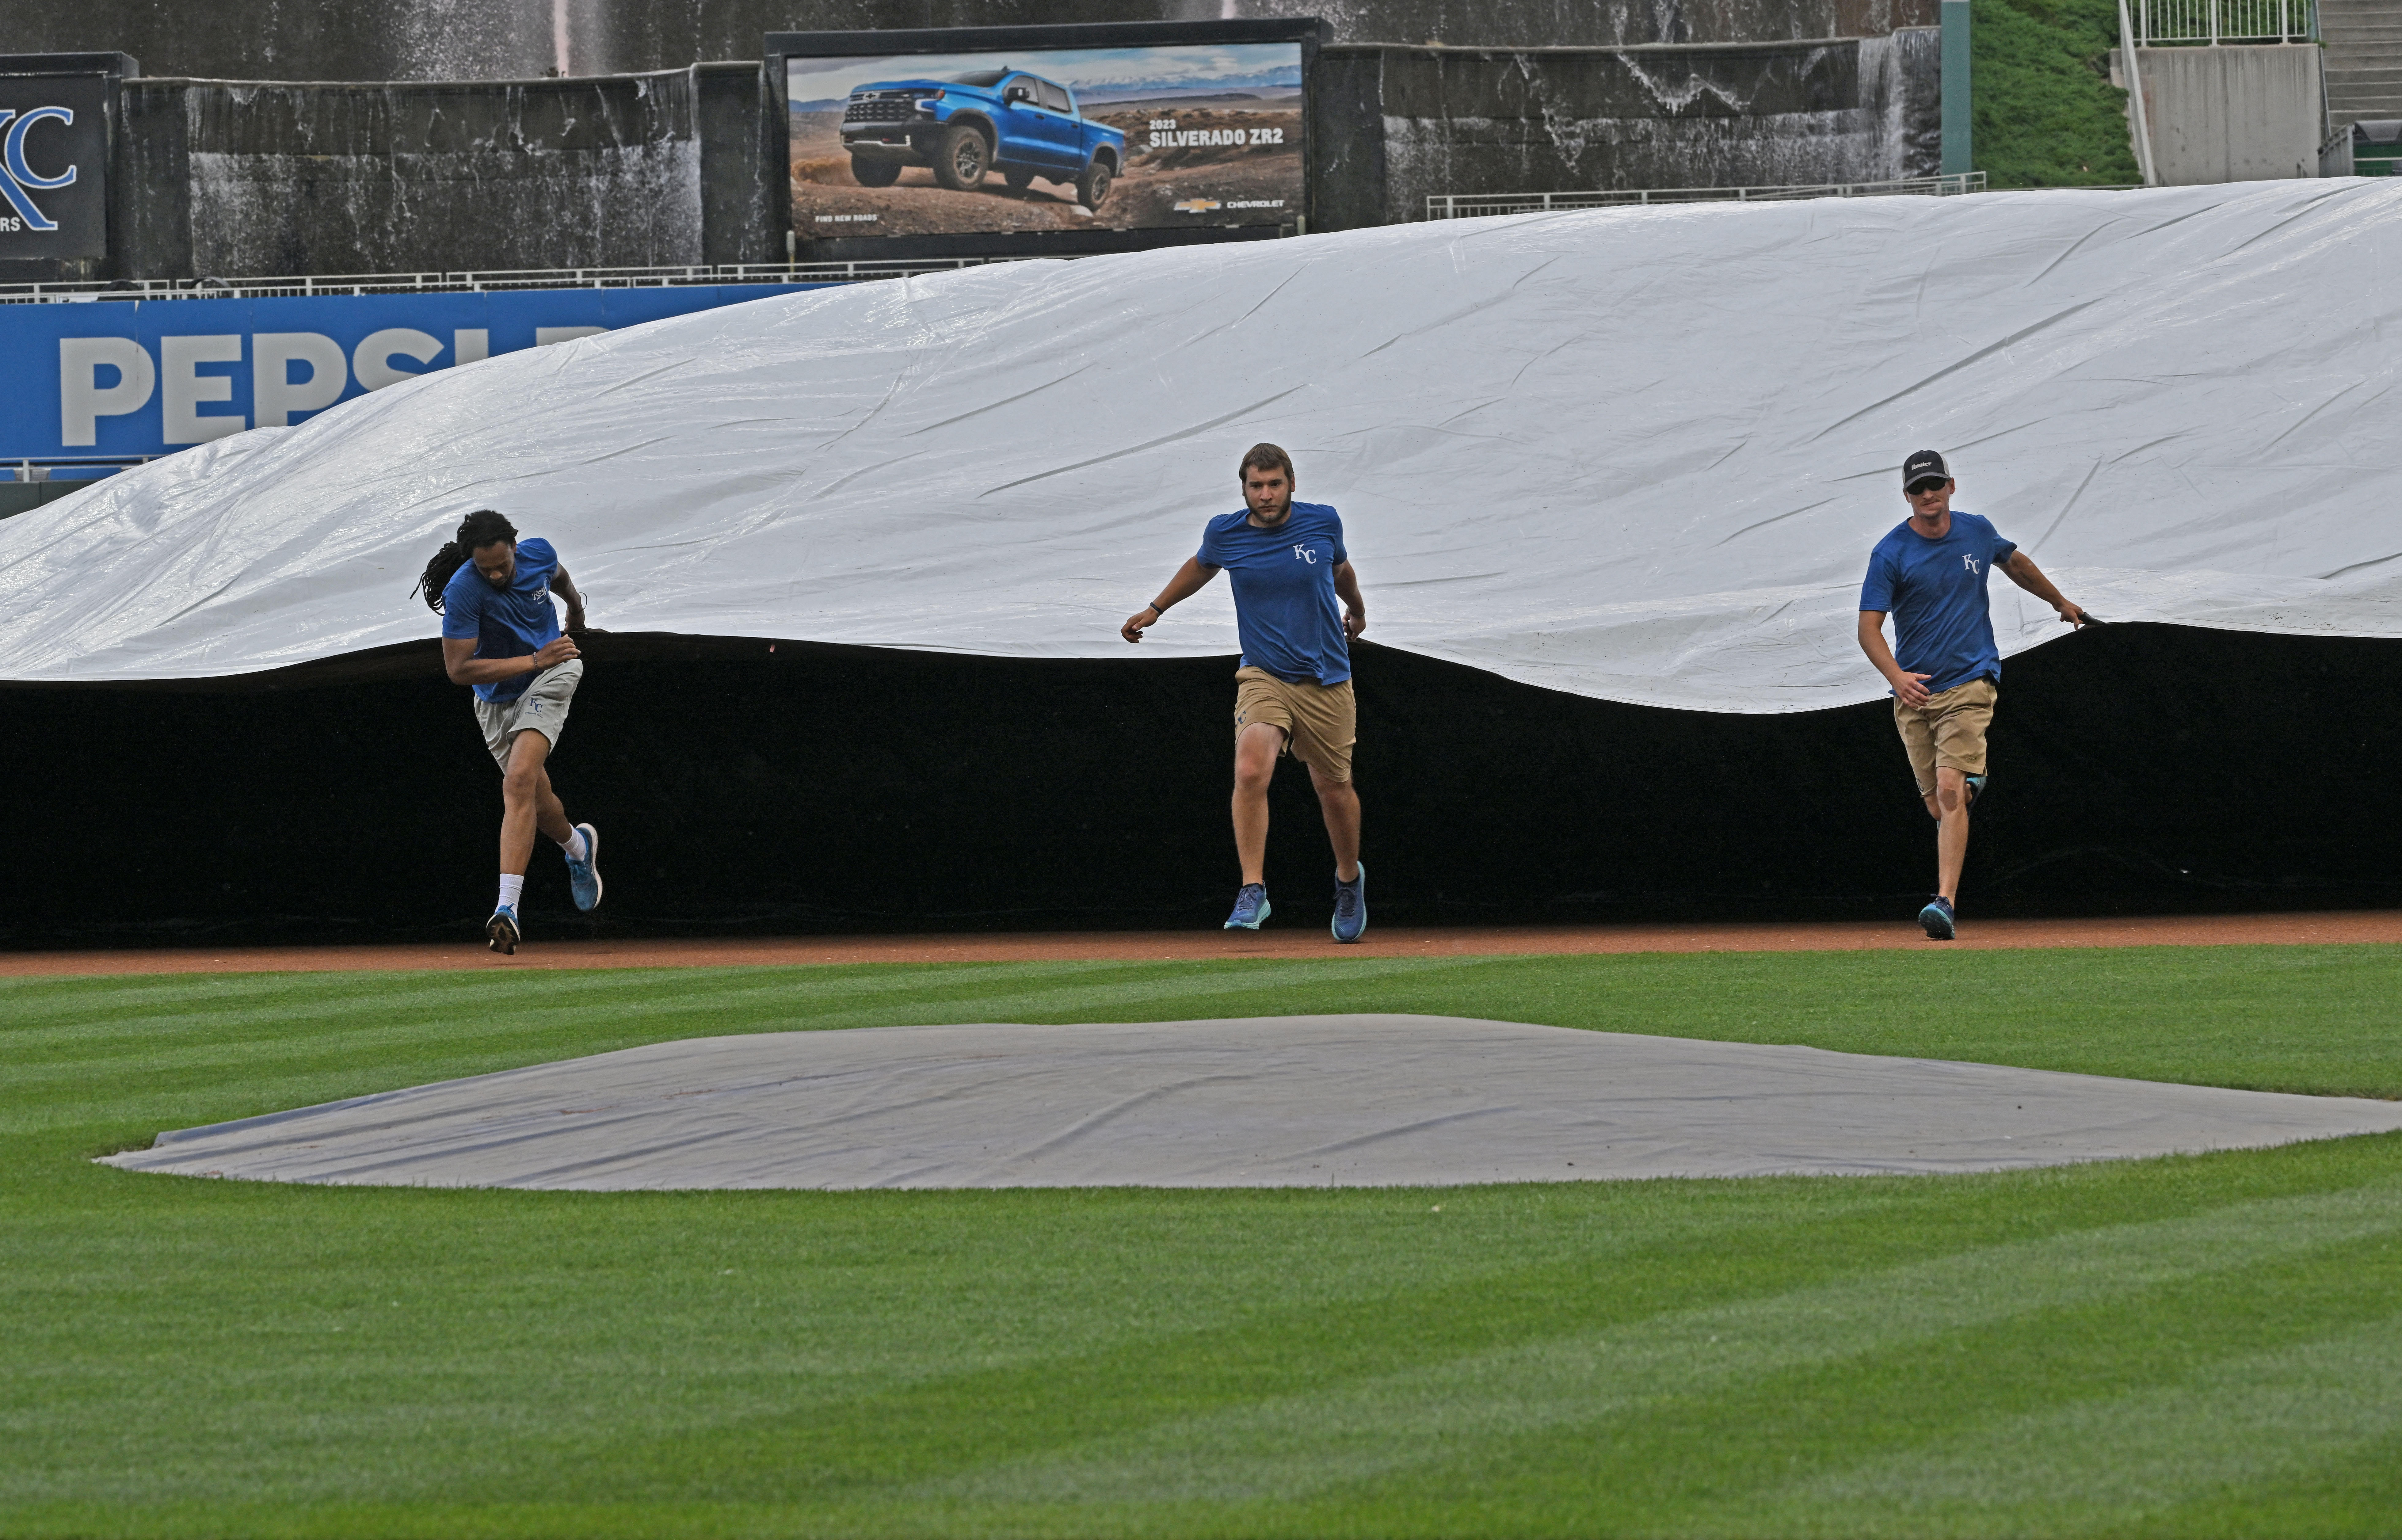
[484, 526]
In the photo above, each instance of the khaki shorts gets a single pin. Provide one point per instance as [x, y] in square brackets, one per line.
[542, 709]
[1947, 730]
[1320, 722]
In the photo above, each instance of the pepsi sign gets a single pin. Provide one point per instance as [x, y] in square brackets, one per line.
[53, 167]
[127, 379]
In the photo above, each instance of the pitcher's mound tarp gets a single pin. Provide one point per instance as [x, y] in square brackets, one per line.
[1269, 1101]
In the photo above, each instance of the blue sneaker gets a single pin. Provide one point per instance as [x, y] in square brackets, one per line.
[583, 876]
[503, 932]
[1351, 906]
[1250, 907]
[1941, 922]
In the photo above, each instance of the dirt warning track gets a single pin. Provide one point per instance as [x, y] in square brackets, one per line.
[2352, 926]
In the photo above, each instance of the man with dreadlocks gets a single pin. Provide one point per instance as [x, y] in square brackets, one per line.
[500, 635]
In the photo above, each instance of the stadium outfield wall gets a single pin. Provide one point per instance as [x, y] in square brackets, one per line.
[744, 789]
[449, 40]
[687, 166]
[243, 178]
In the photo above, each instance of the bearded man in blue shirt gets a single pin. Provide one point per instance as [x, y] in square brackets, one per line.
[1293, 691]
[1929, 574]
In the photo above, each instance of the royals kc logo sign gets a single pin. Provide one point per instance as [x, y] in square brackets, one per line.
[53, 166]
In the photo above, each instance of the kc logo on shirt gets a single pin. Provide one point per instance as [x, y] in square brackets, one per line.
[1970, 562]
[1303, 552]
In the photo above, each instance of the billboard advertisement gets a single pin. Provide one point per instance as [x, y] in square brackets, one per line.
[972, 141]
[129, 378]
[53, 166]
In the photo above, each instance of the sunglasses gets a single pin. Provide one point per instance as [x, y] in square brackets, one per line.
[1920, 489]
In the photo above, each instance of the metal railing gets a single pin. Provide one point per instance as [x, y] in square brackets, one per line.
[464, 283]
[1478, 205]
[2175, 22]
[78, 467]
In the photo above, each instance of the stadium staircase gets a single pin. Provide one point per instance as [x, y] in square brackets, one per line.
[2363, 59]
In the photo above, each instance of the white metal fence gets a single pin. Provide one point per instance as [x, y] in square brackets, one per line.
[1477, 205]
[2210, 22]
[67, 467]
[563, 278]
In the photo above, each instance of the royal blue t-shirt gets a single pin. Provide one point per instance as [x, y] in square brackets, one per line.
[1935, 590]
[1285, 608]
[513, 622]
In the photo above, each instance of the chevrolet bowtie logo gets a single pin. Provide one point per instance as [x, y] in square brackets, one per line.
[1197, 205]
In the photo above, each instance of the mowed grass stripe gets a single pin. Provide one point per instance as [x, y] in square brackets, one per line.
[1663, 1361]
[2162, 1458]
[2264, 1018]
[1628, 1370]
[351, 1023]
[187, 1357]
[1976, 1433]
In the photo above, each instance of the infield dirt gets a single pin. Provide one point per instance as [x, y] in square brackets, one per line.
[2303, 930]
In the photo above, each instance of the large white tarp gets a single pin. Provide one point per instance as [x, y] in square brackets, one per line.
[1639, 455]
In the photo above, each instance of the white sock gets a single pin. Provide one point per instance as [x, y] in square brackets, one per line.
[574, 845]
[511, 885]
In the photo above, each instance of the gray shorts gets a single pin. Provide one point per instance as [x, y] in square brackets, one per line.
[542, 709]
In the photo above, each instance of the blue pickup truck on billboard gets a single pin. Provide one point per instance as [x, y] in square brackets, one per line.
[1006, 120]
[1023, 140]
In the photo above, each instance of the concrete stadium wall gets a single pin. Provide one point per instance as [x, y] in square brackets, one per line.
[235, 179]
[243, 179]
[648, 36]
[1395, 125]
[22, 496]
[300, 39]
[516, 39]
[2249, 114]
[426, 134]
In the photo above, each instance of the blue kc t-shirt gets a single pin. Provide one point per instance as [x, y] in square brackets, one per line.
[1285, 607]
[513, 622]
[1935, 590]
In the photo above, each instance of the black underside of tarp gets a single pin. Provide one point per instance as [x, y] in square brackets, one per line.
[2137, 768]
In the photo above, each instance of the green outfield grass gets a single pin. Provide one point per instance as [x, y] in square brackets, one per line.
[2206, 1346]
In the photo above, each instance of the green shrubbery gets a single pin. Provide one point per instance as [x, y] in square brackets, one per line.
[2046, 113]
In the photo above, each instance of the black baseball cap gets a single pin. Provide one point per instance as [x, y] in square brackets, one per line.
[1925, 465]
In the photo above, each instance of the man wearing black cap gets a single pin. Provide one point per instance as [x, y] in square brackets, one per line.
[1929, 574]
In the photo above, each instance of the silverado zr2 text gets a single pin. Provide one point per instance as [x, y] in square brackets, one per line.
[1006, 120]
